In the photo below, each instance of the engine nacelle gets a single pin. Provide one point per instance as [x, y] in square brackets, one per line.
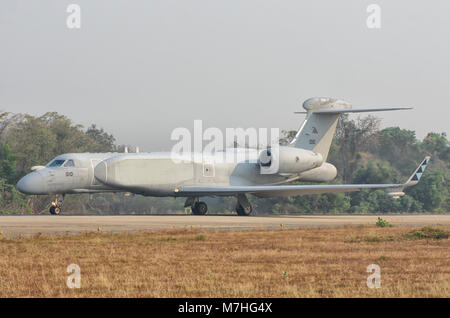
[325, 173]
[288, 160]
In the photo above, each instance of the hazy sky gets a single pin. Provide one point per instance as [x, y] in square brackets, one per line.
[139, 69]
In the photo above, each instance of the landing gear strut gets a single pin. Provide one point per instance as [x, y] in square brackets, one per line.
[197, 207]
[55, 207]
[243, 207]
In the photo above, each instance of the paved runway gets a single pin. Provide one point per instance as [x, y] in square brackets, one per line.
[48, 224]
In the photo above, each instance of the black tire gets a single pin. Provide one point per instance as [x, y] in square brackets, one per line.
[243, 212]
[54, 210]
[199, 208]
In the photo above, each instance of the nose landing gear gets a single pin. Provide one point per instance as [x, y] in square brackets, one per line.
[55, 207]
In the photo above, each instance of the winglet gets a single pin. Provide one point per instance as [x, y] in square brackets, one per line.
[397, 191]
[415, 177]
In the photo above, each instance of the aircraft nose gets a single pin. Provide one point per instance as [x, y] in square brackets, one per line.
[32, 183]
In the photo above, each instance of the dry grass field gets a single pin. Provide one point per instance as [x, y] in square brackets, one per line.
[320, 262]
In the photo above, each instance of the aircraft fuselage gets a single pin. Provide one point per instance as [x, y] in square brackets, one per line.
[154, 174]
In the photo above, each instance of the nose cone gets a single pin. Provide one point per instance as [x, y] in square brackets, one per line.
[32, 183]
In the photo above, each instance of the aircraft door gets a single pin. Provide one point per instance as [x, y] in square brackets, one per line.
[208, 170]
[55, 178]
[71, 174]
[205, 171]
[75, 173]
[65, 175]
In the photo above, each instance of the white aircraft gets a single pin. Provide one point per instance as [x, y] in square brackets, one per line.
[158, 174]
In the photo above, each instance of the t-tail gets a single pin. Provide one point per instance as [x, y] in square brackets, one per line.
[322, 114]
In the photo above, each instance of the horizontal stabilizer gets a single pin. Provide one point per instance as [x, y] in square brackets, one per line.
[355, 110]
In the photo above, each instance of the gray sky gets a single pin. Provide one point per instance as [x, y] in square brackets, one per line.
[139, 69]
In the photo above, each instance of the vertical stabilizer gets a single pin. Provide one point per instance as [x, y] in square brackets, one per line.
[317, 131]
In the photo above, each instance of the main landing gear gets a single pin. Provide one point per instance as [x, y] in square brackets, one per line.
[243, 207]
[55, 207]
[197, 207]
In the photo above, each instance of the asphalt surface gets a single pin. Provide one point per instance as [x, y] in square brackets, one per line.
[49, 224]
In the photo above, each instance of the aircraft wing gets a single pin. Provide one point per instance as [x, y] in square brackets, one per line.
[287, 190]
[280, 190]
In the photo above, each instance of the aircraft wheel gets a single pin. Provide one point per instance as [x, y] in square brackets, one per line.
[199, 208]
[242, 211]
[54, 210]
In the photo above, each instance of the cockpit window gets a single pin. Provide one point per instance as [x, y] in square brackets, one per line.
[56, 163]
[69, 163]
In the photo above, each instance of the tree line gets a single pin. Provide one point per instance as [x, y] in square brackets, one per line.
[361, 152]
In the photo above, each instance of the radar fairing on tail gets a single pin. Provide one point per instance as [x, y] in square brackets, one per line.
[262, 173]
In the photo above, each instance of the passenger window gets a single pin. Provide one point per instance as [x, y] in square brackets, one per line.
[69, 163]
[56, 163]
